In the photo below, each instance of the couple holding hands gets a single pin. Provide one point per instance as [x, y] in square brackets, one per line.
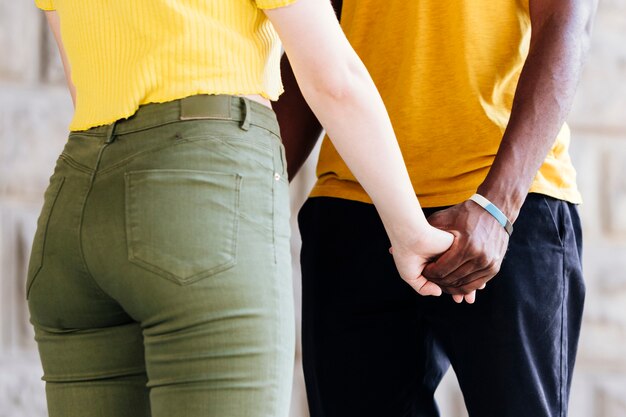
[159, 282]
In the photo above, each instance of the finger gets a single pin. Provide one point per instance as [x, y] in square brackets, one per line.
[458, 298]
[467, 273]
[449, 261]
[453, 277]
[424, 287]
[468, 292]
[477, 280]
[430, 288]
[470, 298]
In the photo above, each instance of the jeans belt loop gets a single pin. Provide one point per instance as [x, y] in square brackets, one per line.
[245, 124]
[110, 133]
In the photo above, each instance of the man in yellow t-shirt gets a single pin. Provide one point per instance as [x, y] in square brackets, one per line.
[478, 92]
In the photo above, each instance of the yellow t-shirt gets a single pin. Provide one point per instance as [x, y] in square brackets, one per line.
[125, 53]
[447, 72]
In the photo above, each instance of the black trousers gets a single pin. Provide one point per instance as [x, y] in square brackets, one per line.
[374, 347]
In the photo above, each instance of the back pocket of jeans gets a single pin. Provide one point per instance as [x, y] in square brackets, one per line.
[182, 224]
[39, 241]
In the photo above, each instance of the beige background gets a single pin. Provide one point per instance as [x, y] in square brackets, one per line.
[34, 113]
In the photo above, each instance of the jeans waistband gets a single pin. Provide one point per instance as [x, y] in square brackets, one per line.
[199, 107]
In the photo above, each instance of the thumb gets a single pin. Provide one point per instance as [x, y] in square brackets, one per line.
[429, 288]
[439, 265]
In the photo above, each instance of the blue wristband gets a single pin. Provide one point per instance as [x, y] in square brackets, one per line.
[494, 211]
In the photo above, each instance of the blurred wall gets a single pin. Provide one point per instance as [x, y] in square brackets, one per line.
[34, 113]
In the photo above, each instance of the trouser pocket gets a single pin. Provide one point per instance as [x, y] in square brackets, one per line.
[182, 224]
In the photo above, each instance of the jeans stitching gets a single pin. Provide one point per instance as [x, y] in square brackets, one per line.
[57, 191]
[128, 159]
[82, 218]
[74, 164]
[169, 275]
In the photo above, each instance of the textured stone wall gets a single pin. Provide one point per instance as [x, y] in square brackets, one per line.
[599, 151]
[34, 113]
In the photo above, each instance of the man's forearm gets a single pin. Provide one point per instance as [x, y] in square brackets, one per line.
[299, 127]
[543, 98]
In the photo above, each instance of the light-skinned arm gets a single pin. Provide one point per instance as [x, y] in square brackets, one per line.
[561, 31]
[299, 128]
[342, 95]
[55, 27]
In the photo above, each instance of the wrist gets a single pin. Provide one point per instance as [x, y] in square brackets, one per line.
[414, 236]
[494, 211]
[425, 242]
[508, 199]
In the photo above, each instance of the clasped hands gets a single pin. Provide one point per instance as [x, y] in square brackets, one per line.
[459, 264]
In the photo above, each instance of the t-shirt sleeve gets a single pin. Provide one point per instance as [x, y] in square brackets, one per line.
[271, 4]
[45, 4]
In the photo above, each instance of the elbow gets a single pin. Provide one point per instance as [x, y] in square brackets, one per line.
[331, 87]
[570, 21]
[587, 17]
[338, 84]
[582, 14]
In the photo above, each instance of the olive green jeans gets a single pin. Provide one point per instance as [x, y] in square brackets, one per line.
[159, 282]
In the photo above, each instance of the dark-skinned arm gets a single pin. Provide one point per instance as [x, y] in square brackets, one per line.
[559, 42]
[299, 128]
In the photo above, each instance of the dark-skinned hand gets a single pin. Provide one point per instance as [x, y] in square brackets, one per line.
[476, 254]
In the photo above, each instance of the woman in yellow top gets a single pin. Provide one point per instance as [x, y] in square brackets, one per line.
[159, 280]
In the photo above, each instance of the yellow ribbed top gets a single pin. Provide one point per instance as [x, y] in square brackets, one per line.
[447, 72]
[127, 53]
